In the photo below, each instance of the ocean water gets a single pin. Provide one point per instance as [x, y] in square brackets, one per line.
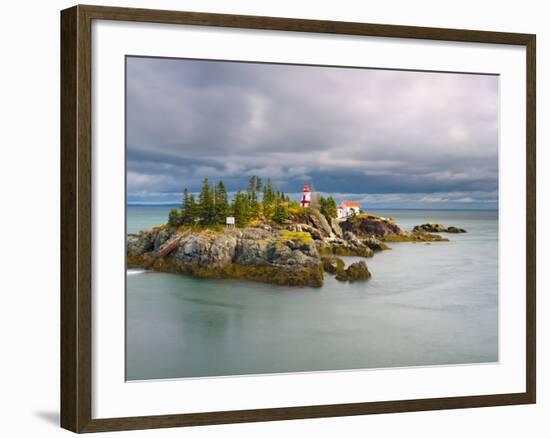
[426, 304]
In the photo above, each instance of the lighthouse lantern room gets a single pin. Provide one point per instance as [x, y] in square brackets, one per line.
[306, 196]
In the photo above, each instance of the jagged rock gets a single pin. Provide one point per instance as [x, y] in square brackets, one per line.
[371, 226]
[437, 228]
[353, 247]
[455, 230]
[142, 242]
[429, 228]
[320, 222]
[357, 271]
[207, 249]
[314, 219]
[250, 253]
[336, 229]
[161, 238]
[314, 232]
[375, 244]
[351, 238]
[332, 264]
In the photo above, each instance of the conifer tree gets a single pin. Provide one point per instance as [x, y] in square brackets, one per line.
[207, 212]
[221, 206]
[174, 217]
[330, 208]
[254, 186]
[189, 208]
[327, 207]
[185, 199]
[193, 209]
[240, 209]
[268, 200]
[280, 213]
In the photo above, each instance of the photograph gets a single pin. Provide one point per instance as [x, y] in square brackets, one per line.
[286, 218]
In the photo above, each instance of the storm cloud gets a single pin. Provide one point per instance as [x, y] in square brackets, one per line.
[390, 138]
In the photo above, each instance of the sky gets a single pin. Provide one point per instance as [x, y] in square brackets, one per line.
[389, 139]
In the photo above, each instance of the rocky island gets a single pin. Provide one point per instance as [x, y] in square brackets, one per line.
[277, 240]
[295, 253]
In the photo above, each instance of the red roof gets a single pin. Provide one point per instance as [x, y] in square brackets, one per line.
[351, 204]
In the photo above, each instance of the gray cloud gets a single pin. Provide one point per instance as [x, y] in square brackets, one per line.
[349, 131]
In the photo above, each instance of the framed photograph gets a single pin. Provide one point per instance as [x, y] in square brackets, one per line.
[270, 218]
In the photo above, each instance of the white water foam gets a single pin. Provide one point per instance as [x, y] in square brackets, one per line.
[135, 271]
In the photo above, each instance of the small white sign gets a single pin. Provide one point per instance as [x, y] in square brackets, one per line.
[230, 220]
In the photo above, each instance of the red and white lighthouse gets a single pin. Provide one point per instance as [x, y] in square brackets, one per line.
[306, 196]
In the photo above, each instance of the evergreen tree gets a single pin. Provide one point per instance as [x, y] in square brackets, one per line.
[221, 206]
[280, 213]
[185, 199]
[189, 209]
[240, 209]
[174, 217]
[193, 209]
[327, 206]
[207, 212]
[331, 208]
[252, 191]
[268, 200]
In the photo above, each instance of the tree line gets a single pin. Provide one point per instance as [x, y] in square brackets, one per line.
[258, 201]
[212, 205]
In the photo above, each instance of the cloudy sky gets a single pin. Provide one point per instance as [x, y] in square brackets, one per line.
[391, 139]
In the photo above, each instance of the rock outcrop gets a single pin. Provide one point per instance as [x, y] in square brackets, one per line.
[251, 253]
[455, 230]
[437, 228]
[350, 245]
[371, 226]
[336, 229]
[375, 244]
[382, 229]
[357, 271]
[315, 220]
[294, 254]
[332, 264]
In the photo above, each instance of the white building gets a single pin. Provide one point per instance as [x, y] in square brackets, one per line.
[347, 209]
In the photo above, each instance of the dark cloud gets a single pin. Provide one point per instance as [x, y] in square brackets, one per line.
[348, 131]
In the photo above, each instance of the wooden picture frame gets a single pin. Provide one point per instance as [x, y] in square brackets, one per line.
[76, 218]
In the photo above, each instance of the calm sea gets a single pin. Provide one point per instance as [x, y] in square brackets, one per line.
[426, 304]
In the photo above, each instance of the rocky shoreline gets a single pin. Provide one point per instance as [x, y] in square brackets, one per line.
[297, 253]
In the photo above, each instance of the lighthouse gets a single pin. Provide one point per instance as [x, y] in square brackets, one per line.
[306, 196]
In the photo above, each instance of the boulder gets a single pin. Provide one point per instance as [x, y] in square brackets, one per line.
[352, 238]
[332, 264]
[455, 230]
[357, 271]
[429, 228]
[436, 228]
[350, 247]
[375, 244]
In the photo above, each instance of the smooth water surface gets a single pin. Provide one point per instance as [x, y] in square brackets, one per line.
[426, 304]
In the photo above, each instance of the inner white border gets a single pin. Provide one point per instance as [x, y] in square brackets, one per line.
[113, 397]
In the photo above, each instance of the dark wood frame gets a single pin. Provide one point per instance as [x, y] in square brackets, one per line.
[76, 174]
